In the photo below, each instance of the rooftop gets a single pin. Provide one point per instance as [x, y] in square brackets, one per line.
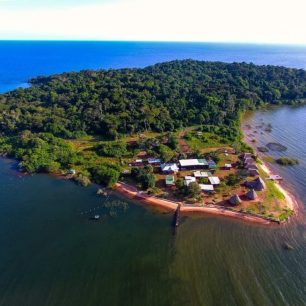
[205, 187]
[169, 180]
[201, 174]
[193, 162]
[214, 180]
[169, 167]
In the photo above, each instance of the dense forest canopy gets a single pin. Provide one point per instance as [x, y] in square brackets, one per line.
[162, 97]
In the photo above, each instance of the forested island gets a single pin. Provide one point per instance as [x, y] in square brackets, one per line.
[99, 122]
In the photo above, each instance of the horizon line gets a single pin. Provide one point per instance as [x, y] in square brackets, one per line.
[156, 41]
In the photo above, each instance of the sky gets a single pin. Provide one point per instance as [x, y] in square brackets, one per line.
[257, 21]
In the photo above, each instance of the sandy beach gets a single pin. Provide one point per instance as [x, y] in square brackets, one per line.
[134, 194]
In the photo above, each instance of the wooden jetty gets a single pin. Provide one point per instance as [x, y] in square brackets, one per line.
[177, 216]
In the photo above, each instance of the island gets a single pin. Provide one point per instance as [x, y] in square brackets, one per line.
[168, 134]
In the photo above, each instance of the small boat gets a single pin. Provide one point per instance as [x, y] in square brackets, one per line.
[95, 217]
[275, 177]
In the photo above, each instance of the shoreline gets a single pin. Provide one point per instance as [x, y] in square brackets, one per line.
[132, 193]
[290, 199]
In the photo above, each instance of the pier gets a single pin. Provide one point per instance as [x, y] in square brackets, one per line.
[176, 221]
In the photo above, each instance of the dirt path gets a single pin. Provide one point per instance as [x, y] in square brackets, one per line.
[183, 143]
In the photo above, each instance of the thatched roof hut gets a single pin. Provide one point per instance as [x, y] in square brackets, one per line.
[258, 184]
[235, 200]
[251, 166]
[253, 172]
[248, 160]
[251, 194]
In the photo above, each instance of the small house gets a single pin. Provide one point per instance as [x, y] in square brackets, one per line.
[169, 180]
[188, 180]
[200, 174]
[253, 172]
[228, 166]
[251, 194]
[154, 161]
[235, 200]
[246, 155]
[248, 160]
[214, 180]
[258, 184]
[206, 187]
[138, 162]
[169, 168]
[251, 166]
[212, 165]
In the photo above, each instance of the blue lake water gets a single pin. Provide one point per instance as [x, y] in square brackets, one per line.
[20, 61]
[52, 254]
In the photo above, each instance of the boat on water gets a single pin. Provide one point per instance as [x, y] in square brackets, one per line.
[275, 177]
[95, 218]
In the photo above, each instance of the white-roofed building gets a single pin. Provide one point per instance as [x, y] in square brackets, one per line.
[169, 168]
[193, 163]
[199, 174]
[206, 187]
[188, 180]
[153, 161]
[214, 180]
[228, 166]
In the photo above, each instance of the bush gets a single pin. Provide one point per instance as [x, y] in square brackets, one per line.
[285, 161]
[82, 179]
[144, 176]
[112, 149]
[106, 175]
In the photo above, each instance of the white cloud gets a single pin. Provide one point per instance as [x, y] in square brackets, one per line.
[268, 21]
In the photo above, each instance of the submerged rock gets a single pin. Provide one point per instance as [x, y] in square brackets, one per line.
[274, 146]
[101, 192]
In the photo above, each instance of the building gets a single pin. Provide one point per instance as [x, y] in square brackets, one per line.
[214, 180]
[246, 155]
[188, 180]
[169, 168]
[253, 172]
[258, 184]
[251, 194]
[248, 160]
[235, 200]
[138, 162]
[251, 166]
[169, 180]
[193, 163]
[212, 165]
[200, 174]
[206, 187]
[228, 166]
[154, 161]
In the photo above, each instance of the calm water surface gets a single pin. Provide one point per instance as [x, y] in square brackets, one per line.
[51, 254]
[20, 61]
